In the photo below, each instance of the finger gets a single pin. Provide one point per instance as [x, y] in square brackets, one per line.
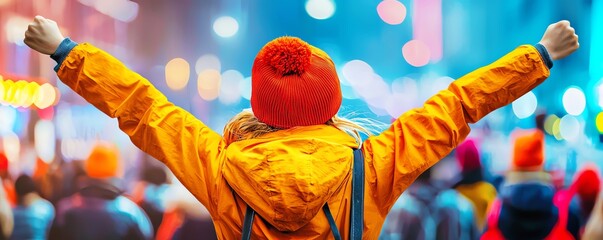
[572, 30]
[564, 23]
[38, 18]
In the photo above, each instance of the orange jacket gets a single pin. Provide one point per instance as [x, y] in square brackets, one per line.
[288, 175]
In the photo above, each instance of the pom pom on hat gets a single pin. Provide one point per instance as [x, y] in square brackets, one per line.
[288, 55]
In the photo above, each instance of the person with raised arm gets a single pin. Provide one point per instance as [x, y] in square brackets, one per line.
[285, 169]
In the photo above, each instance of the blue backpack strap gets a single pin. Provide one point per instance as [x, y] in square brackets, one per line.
[357, 215]
[248, 223]
[332, 223]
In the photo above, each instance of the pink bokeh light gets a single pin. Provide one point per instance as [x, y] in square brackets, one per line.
[416, 53]
[391, 12]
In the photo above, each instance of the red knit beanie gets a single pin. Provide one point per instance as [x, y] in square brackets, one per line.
[294, 84]
[528, 152]
[468, 156]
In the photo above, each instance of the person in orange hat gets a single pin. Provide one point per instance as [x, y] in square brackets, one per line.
[285, 169]
[527, 207]
[99, 210]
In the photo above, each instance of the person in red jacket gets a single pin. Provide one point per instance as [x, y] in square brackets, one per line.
[290, 159]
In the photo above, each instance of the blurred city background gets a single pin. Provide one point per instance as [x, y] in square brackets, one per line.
[391, 56]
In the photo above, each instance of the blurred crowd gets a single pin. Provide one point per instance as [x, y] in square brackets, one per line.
[87, 199]
[524, 202]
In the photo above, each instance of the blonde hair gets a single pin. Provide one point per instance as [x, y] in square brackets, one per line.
[245, 125]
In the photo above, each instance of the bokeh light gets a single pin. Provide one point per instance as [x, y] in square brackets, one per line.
[12, 146]
[177, 73]
[549, 122]
[356, 72]
[556, 129]
[574, 101]
[44, 140]
[391, 12]
[599, 122]
[122, 10]
[226, 26]
[245, 88]
[320, 9]
[416, 53]
[30, 93]
[15, 29]
[208, 84]
[230, 94]
[405, 95]
[45, 96]
[569, 128]
[208, 61]
[18, 97]
[525, 106]
[8, 116]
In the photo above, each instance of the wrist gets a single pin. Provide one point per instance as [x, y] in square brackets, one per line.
[544, 54]
[62, 50]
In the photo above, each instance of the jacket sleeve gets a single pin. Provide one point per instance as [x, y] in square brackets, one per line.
[421, 137]
[170, 134]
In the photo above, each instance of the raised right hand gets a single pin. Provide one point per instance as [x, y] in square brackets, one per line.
[560, 40]
[43, 35]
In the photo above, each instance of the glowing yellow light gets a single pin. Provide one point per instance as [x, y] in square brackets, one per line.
[9, 91]
[208, 84]
[29, 93]
[177, 73]
[548, 123]
[16, 97]
[557, 129]
[599, 122]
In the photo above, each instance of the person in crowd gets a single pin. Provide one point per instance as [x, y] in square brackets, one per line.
[426, 212]
[582, 192]
[290, 158]
[472, 184]
[410, 217]
[185, 218]
[33, 214]
[527, 207]
[150, 193]
[99, 210]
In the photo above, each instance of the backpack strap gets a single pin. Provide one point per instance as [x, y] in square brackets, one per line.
[357, 215]
[248, 223]
[357, 207]
[332, 223]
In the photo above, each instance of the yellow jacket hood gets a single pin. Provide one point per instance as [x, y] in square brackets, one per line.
[288, 176]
